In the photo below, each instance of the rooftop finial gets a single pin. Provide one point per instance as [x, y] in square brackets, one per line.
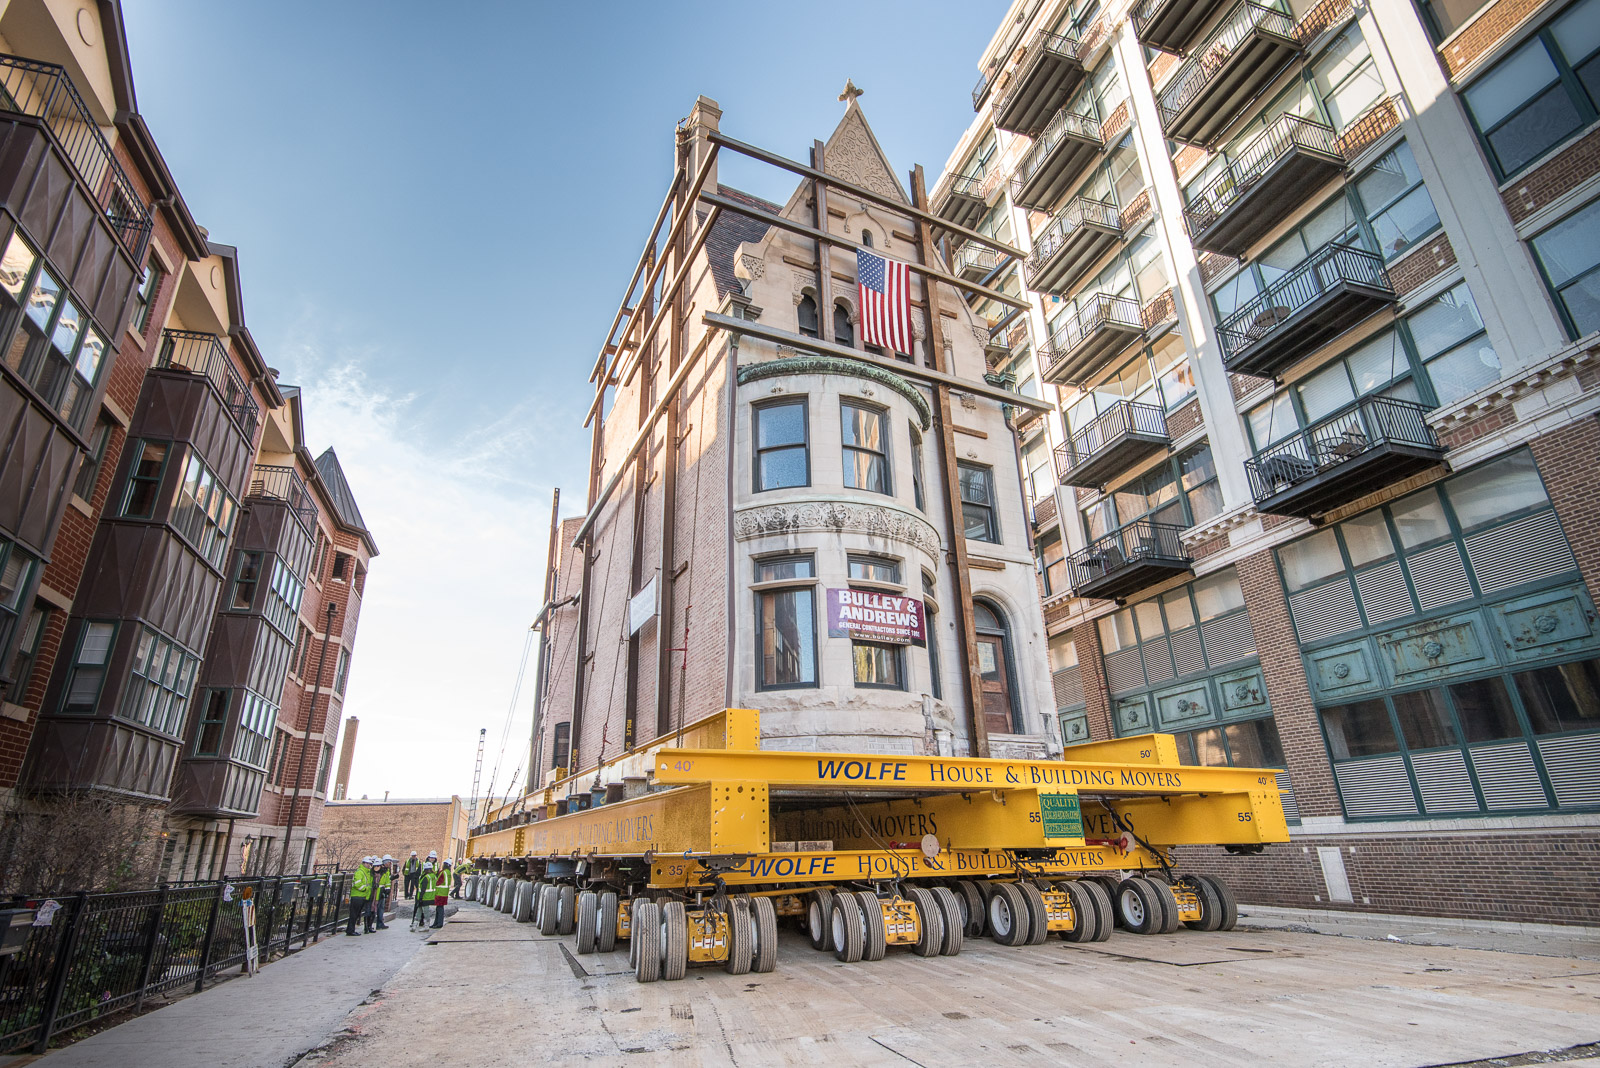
[850, 91]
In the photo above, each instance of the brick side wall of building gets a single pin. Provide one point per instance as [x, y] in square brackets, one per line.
[1531, 877]
[1485, 32]
[1567, 460]
[1567, 169]
[1096, 691]
[1422, 263]
[354, 829]
[1287, 687]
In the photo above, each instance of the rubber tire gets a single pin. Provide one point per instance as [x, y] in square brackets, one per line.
[819, 919]
[519, 907]
[646, 942]
[876, 943]
[588, 920]
[1110, 885]
[1230, 905]
[567, 910]
[930, 920]
[741, 937]
[549, 908]
[1085, 916]
[764, 922]
[606, 935]
[1210, 906]
[633, 941]
[1138, 908]
[1008, 915]
[1171, 919]
[1106, 914]
[848, 934]
[674, 941]
[976, 907]
[955, 932]
[1038, 922]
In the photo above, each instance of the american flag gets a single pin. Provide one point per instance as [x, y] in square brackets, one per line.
[885, 291]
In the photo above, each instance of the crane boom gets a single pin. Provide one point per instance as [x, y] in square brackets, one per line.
[477, 775]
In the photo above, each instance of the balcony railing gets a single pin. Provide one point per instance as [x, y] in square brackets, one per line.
[975, 261]
[1272, 173]
[1171, 24]
[1080, 220]
[1117, 438]
[203, 354]
[1339, 286]
[1102, 322]
[1041, 82]
[45, 91]
[1376, 443]
[1128, 560]
[1056, 158]
[980, 92]
[1226, 70]
[961, 198]
[283, 484]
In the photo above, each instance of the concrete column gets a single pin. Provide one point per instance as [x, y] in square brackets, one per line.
[1516, 309]
[1194, 311]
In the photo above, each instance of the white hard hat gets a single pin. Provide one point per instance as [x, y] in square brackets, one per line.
[433, 854]
[413, 852]
[427, 865]
[387, 858]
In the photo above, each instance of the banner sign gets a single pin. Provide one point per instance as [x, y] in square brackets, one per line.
[876, 617]
[642, 607]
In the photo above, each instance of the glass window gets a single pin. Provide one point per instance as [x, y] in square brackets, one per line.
[1180, 612]
[844, 331]
[213, 718]
[917, 491]
[89, 667]
[1053, 562]
[1496, 490]
[879, 666]
[979, 521]
[341, 674]
[1346, 79]
[1420, 519]
[1569, 252]
[149, 286]
[1484, 708]
[203, 511]
[1450, 338]
[1326, 391]
[1359, 729]
[1447, 16]
[1310, 560]
[1218, 593]
[1398, 206]
[247, 574]
[1565, 698]
[1366, 538]
[788, 632]
[1273, 420]
[874, 569]
[1198, 474]
[782, 458]
[89, 473]
[1210, 749]
[1254, 744]
[807, 314]
[866, 447]
[22, 661]
[1116, 631]
[1425, 721]
[157, 695]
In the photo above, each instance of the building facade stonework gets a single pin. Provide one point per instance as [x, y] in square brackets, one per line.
[1313, 293]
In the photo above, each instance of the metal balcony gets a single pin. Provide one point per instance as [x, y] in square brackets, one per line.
[975, 262]
[980, 92]
[1071, 243]
[1132, 559]
[273, 483]
[1264, 182]
[204, 355]
[1343, 458]
[1334, 290]
[1104, 326]
[1235, 63]
[1172, 24]
[45, 91]
[1059, 155]
[1117, 439]
[960, 199]
[1042, 81]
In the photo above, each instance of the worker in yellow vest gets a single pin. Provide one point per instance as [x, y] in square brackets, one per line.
[441, 894]
[425, 891]
[413, 873]
[385, 888]
[360, 894]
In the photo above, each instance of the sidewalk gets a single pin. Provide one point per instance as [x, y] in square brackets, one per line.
[1542, 939]
[269, 1019]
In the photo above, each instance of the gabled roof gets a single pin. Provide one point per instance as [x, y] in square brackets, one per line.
[729, 233]
[852, 153]
[344, 502]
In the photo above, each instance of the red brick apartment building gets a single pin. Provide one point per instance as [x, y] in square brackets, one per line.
[180, 578]
[1315, 295]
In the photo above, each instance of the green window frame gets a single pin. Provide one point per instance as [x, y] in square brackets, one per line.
[786, 623]
[257, 719]
[47, 337]
[89, 474]
[1182, 490]
[246, 578]
[157, 694]
[213, 722]
[146, 469]
[90, 658]
[980, 517]
[203, 511]
[1568, 254]
[18, 568]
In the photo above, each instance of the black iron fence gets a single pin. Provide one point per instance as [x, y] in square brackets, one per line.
[203, 354]
[1372, 422]
[1094, 314]
[1079, 212]
[1285, 134]
[1137, 542]
[1325, 271]
[44, 91]
[283, 484]
[1212, 55]
[1067, 123]
[1108, 428]
[1065, 45]
[100, 954]
[980, 92]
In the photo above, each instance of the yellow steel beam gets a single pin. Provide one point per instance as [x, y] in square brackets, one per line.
[1135, 749]
[1013, 820]
[707, 818]
[731, 728]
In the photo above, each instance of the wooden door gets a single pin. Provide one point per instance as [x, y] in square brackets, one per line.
[995, 680]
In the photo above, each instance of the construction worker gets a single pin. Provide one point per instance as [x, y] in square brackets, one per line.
[425, 893]
[441, 895]
[385, 888]
[360, 894]
[413, 874]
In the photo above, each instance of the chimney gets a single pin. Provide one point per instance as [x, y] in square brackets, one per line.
[347, 753]
[703, 120]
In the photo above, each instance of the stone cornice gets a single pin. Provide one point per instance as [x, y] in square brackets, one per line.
[837, 517]
[1563, 364]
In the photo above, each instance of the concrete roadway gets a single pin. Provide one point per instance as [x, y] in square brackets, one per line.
[488, 991]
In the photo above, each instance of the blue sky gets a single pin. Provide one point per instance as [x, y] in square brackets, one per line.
[436, 207]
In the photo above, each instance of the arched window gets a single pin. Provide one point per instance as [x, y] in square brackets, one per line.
[996, 672]
[866, 238]
[808, 316]
[844, 331]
